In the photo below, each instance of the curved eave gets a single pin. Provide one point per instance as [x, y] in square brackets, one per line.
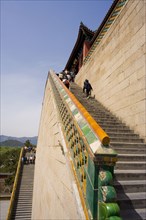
[81, 36]
[78, 44]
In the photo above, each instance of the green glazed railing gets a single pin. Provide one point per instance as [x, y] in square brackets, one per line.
[93, 160]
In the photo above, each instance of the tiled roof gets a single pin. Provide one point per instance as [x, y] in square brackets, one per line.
[84, 33]
[94, 36]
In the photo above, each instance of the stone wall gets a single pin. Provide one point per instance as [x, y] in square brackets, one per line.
[116, 68]
[54, 194]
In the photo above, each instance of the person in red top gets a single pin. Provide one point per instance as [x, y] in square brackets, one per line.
[66, 82]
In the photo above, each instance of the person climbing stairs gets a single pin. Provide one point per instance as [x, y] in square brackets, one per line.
[130, 170]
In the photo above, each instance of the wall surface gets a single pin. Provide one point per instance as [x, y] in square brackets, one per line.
[55, 193]
[117, 67]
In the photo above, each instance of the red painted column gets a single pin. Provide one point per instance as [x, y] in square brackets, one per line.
[86, 48]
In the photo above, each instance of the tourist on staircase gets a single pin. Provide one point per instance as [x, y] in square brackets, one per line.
[87, 88]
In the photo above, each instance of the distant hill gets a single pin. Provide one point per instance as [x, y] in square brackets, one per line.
[33, 140]
[11, 143]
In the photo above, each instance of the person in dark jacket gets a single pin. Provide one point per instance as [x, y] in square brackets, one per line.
[87, 88]
[84, 86]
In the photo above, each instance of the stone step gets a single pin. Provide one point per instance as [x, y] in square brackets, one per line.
[27, 180]
[131, 157]
[26, 188]
[130, 214]
[29, 171]
[29, 167]
[24, 182]
[23, 211]
[22, 216]
[113, 127]
[23, 188]
[111, 124]
[126, 139]
[120, 130]
[130, 186]
[130, 175]
[126, 144]
[105, 120]
[132, 165]
[129, 150]
[119, 135]
[23, 203]
[130, 169]
[103, 117]
[135, 200]
[24, 198]
[26, 175]
[25, 192]
[23, 207]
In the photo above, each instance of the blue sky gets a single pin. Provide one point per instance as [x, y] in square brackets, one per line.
[37, 36]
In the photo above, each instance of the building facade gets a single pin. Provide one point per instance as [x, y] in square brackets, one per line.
[113, 59]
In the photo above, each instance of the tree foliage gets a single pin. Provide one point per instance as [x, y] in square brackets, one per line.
[29, 144]
[9, 157]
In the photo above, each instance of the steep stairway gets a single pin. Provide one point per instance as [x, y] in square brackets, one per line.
[23, 203]
[130, 170]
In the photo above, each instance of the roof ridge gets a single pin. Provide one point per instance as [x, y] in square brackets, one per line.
[84, 27]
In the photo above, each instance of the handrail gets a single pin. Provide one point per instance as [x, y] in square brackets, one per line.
[101, 135]
[15, 185]
[104, 138]
[93, 159]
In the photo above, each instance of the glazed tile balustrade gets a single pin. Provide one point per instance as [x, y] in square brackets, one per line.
[93, 160]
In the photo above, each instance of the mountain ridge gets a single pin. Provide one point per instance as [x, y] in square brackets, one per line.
[33, 139]
[11, 143]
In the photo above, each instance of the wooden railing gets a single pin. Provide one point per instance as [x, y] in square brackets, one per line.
[93, 160]
[15, 186]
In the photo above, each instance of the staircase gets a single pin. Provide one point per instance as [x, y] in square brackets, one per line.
[23, 203]
[130, 170]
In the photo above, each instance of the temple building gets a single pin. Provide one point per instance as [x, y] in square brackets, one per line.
[86, 38]
[91, 151]
[80, 50]
[113, 59]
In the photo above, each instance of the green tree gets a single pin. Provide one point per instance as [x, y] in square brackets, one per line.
[9, 157]
[27, 143]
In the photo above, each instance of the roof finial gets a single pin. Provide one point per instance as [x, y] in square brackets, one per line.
[81, 23]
